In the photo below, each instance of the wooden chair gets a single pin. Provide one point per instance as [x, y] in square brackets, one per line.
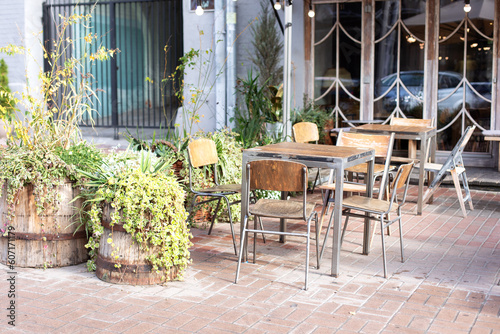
[380, 209]
[454, 165]
[306, 132]
[383, 145]
[412, 144]
[280, 175]
[203, 152]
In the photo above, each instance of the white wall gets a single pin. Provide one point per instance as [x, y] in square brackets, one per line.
[194, 25]
[12, 28]
[21, 24]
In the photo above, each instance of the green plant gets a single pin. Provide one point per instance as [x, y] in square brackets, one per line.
[42, 140]
[6, 99]
[267, 47]
[147, 200]
[311, 113]
[82, 156]
[258, 105]
[229, 165]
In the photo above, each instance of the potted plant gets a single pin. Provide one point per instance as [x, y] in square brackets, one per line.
[136, 220]
[44, 148]
[228, 151]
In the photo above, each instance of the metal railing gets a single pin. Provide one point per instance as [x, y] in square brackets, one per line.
[130, 90]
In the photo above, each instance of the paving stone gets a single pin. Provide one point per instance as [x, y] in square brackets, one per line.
[448, 283]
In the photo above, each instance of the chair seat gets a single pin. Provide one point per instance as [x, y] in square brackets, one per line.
[363, 168]
[431, 166]
[368, 204]
[280, 209]
[223, 188]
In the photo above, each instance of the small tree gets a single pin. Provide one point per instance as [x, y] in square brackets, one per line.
[268, 47]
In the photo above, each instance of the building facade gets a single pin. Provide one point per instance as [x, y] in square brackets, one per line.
[358, 59]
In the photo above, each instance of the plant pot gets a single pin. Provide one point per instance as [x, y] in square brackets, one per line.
[55, 240]
[274, 129]
[134, 268]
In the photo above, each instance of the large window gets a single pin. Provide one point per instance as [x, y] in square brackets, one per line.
[337, 45]
[414, 65]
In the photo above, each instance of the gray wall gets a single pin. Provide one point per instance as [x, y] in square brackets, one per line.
[247, 11]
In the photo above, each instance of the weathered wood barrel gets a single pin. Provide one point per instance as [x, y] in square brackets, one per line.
[134, 269]
[55, 240]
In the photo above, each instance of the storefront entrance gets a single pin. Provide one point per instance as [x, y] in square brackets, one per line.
[409, 58]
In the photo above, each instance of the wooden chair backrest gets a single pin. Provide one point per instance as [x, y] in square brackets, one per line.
[280, 175]
[202, 152]
[380, 143]
[404, 171]
[411, 121]
[305, 132]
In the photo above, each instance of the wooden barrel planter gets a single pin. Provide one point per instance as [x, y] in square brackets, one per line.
[55, 240]
[134, 269]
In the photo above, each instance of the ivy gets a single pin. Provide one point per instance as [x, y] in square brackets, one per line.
[147, 201]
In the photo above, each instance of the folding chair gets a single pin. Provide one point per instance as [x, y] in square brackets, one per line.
[279, 175]
[454, 165]
[379, 209]
[203, 152]
[306, 132]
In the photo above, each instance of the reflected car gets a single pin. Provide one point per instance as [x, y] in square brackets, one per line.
[447, 82]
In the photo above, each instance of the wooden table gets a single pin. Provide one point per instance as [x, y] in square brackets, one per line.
[337, 158]
[426, 136]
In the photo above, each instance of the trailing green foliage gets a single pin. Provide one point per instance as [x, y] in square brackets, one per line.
[83, 156]
[41, 143]
[146, 200]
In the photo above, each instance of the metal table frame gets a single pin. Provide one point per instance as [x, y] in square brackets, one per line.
[322, 156]
[426, 136]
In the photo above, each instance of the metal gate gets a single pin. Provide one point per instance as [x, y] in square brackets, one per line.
[130, 89]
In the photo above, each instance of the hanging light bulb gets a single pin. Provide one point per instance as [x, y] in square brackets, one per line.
[467, 6]
[311, 12]
[199, 10]
[277, 5]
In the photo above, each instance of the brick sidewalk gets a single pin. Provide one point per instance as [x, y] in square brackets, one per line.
[448, 284]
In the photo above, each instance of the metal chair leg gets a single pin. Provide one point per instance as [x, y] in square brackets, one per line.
[231, 224]
[254, 238]
[216, 211]
[345, 226]
[242, 244]
[307, 250]
[401, 241]
[316, 222]
[383, 245]
[262, 228]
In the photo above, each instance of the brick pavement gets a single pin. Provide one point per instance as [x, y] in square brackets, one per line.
[448, 284]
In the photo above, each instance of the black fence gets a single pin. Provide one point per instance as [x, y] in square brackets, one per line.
[129, 89]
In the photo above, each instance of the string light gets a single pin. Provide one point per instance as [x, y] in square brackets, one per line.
[199, 10]
[311, 12]
[467, 6]
[277, 5]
